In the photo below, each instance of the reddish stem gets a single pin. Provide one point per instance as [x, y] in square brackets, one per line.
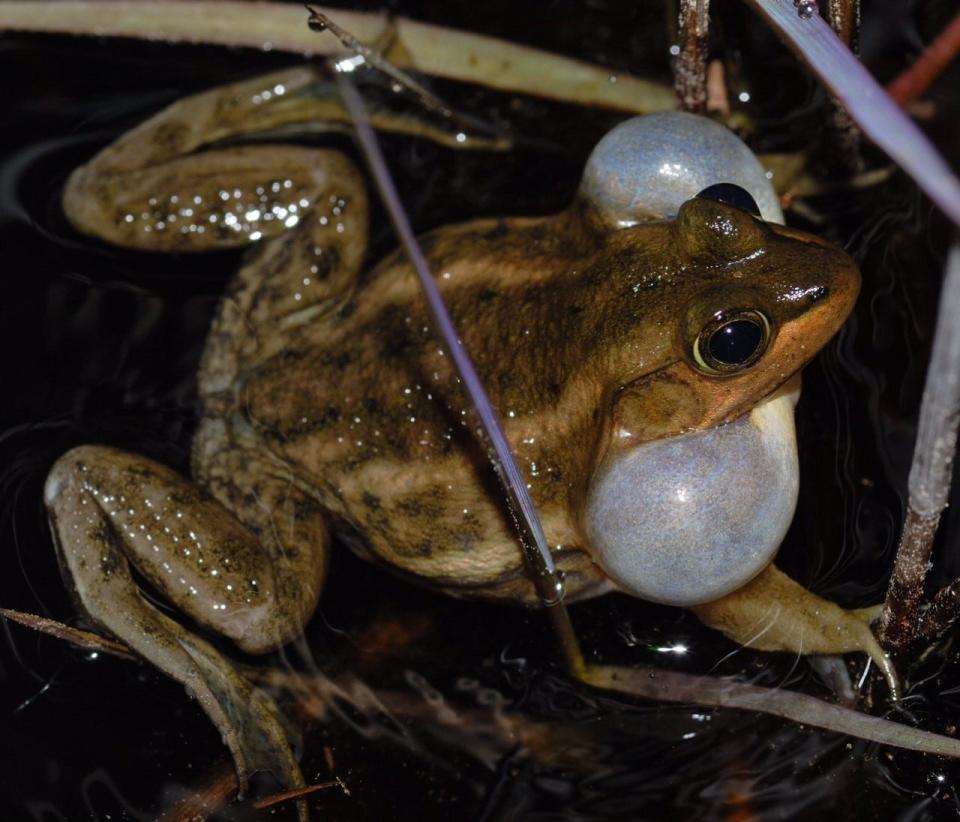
[915, 80]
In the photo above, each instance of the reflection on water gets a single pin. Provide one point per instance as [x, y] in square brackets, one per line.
[428, 717]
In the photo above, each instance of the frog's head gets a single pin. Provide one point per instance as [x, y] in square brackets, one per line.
[696, 480]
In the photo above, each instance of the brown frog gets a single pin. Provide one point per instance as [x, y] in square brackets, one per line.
[641, 347]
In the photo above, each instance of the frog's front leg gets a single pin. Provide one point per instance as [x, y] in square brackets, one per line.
[774, 613]
[110, 510]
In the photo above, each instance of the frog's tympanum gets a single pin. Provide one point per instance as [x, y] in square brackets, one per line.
[642, 349]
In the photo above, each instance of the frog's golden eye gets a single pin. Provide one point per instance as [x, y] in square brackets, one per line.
[732, 195]
[731, 342]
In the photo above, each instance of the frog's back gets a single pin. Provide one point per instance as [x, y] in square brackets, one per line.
[363, 404]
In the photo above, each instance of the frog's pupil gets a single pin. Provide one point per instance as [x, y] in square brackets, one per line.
[733, 195]
[736, 342]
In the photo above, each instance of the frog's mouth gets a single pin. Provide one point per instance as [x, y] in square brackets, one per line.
[690, 518]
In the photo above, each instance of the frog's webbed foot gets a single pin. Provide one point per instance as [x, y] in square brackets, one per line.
[774, 613]
[108, 509]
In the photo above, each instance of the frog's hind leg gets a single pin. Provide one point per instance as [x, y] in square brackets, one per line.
[173, 184]
[110, 509]
[181, 182]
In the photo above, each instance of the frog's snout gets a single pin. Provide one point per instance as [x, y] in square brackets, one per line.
[691, 518]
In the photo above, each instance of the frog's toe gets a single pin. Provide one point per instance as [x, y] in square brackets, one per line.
[253, 727]
[869, 615]
[867, 643]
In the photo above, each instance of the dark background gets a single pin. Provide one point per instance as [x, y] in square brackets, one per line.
[100, 345]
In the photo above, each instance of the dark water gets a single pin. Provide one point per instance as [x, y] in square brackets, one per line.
[101, 345]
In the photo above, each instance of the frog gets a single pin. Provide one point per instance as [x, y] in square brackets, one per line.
[642, 348]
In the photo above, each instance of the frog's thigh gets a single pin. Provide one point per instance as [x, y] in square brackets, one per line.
[221, 198]
[287, 520]
[774, 613]
[188, 545]
[108, 508]
[155, 187]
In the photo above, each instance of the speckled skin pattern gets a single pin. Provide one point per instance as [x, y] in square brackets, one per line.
[327, 404]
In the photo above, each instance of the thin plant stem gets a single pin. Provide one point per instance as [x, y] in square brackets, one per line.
[319, 22]
[878, 115]
[929, 482]
[914, 81]
[844, 19]
[900, 619]
[690, 71]
[842, 140]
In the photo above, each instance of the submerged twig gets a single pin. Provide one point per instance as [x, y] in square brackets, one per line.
[297, 793]
[930, 474]
[915, 80]
[419, 47]
[670, 686]
[219, 788]
[82, 639]
[879, 116]
[690, 71]
[205, 800]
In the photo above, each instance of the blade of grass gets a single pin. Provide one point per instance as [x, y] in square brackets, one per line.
[415, 46]
[534, 541]
[876, 113]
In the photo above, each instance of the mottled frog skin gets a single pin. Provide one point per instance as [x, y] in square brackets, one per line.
[328, 406]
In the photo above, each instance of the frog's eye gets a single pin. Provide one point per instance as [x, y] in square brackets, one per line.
[732, 195]
[731, 342]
